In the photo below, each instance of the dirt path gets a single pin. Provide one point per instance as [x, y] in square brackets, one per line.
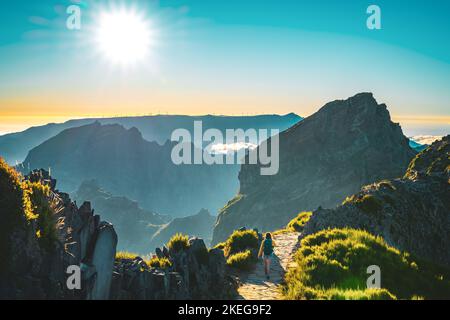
[255, 286]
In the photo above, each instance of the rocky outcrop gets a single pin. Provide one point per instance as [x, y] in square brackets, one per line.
[411, 213]
[35, 271]
[195, 273]
[103, 261]
[323, 159]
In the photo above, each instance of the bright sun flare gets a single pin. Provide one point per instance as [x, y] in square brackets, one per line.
[123, 37]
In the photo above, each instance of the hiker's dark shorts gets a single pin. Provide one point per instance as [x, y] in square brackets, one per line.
[268, 256]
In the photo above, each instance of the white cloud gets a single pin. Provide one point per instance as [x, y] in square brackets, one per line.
[223, 148]
[425, 139]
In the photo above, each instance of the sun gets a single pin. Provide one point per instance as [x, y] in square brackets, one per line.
[123, 37]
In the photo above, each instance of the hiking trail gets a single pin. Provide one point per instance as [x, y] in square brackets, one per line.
[255, 286]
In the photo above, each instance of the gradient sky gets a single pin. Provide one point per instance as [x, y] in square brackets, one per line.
[229, 57]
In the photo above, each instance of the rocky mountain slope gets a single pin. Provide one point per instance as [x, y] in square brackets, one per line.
[15, 146]
[323, 159]
[125, 164]
[411, 213]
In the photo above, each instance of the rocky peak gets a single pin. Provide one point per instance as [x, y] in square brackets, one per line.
[324, 158]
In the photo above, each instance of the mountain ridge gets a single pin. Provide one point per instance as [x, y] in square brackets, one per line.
[15, 146]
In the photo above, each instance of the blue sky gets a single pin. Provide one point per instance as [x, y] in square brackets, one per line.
[230, 57]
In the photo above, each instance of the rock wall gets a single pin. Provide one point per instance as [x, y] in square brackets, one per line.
[196, 273]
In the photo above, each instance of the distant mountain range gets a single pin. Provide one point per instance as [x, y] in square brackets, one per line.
[125, 164]
[323, 159]
[15, 146]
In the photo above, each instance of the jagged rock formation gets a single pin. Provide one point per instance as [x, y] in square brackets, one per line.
[125, 164]
[323, 159]
[134, 225]
[411, 213]
[34, 271]
[195, 273]
[200, 225]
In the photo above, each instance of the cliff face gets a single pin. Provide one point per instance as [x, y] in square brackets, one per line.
[323, 159]
[411, 213]
[38, 249]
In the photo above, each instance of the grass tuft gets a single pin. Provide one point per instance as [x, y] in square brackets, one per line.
[178, 242]
[243, 261]
[125, 255]
[298, 223]
[240, 241]
[159, 263]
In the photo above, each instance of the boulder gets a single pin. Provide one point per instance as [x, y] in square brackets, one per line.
[103, 260]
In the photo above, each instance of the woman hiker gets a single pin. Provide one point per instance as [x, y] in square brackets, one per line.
[266, 251]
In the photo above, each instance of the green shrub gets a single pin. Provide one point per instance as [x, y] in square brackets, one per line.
[178, 243]
[23, 202]
[159, 263]
[298, 223]
[220, 246]
[242, 260]
[125, 255]
[367, 294]
[12, 208]
[332, 264]
[240, 241]
[367, 203]
[44, 211]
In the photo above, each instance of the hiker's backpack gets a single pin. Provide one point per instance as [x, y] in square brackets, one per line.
[268, 247]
